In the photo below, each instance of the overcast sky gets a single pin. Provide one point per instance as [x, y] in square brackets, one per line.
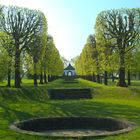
[71, 21]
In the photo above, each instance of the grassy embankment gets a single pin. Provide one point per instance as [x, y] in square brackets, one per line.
[29, 102]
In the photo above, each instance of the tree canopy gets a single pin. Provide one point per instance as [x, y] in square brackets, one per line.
[23, 35]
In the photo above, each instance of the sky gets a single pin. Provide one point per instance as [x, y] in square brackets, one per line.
[70, 22]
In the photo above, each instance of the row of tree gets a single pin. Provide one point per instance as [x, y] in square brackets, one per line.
[114, 48]
[25, 46]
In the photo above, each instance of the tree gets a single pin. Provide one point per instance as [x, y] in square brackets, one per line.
[87, 63]
[43, 45]
[35, 51]
[91, 41]
[7, 43]
[121, 27]
[3, 63]
[54, 64]
[79, 65]
[133, 64]
[57, 63]
[105, 53]
[37, 47]
[20, 23]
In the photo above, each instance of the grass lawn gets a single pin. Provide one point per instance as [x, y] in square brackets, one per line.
[29, 102]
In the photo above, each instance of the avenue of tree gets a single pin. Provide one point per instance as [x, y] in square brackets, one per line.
[25, 46]
[26, 49]
[114, 49]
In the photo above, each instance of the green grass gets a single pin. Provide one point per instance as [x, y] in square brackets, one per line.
[29, 102]
[25, 82]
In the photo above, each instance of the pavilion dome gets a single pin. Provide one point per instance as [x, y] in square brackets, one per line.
[69, 67]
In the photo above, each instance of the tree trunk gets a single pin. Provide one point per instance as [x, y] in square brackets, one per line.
[9, 77]
[17, 68]
[49, 78]
[129, 78]
[98, 78]
[35, 79]
[21, 80]
[113, 78]
[9, 74]
[45, 78]
[41, 76]
[121, 81]
[52, 77]
[139, 76]
[41, 79]
[35, 75]
[93, 78]
[101, 79]
[105, 78]
[90, 77]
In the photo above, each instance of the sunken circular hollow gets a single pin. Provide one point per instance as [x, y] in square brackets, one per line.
[73, 126]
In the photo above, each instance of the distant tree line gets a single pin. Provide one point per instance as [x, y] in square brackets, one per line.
[114, 49]
[25, 46]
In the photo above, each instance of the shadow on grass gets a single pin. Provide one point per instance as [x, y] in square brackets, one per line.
[72, 108]
[11, 114]
[100, 109]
